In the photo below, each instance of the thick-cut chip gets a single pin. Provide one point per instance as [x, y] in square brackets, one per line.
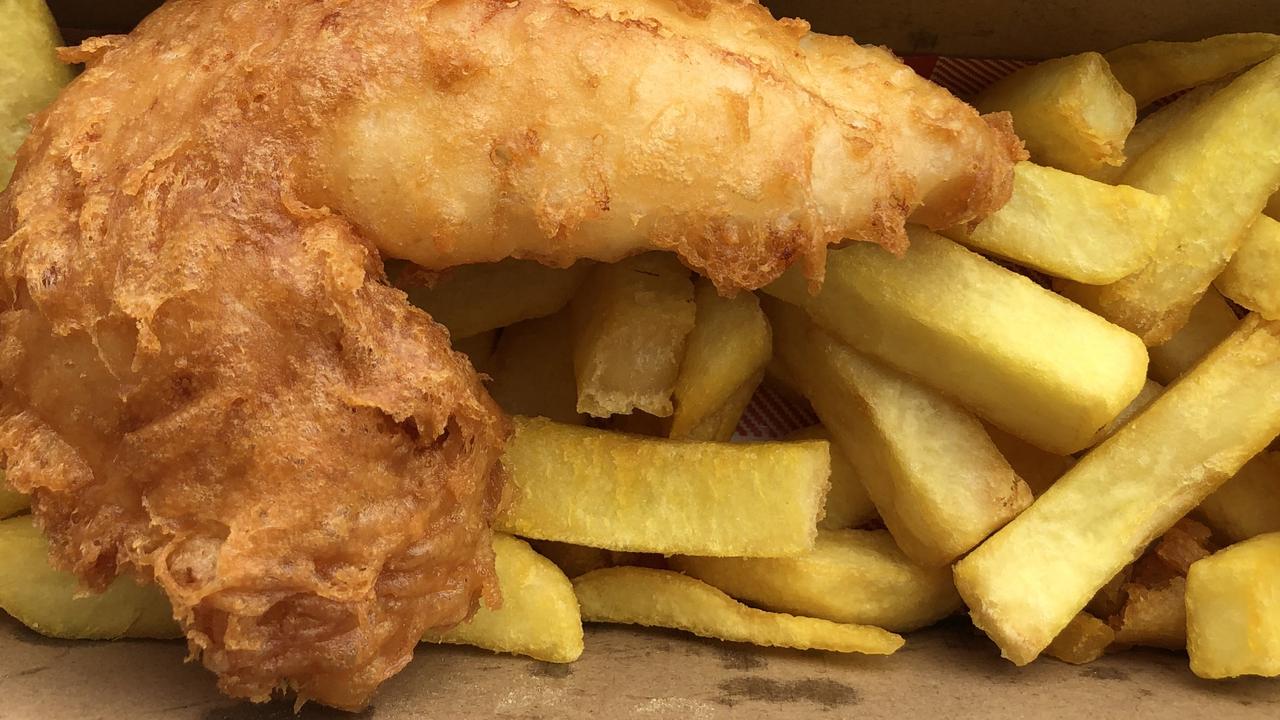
[661, 598]
[1150, 392]
[1069, 226]
[539, 614]
[631, 321]
[1218, 167]
[1252, 278]
[1212, 321]
[627, 492]
[12, 502]
[721, 424]
[1154, 617]
[1083, 640]
[1248, 504]
[1152, 70]
[848, 504]
[1040, 469]
[30, 72]
[532, 370]
[851, 576]
[1233, 621]
[1016, 354]
[1027, 581]
[1071, 112]
[50, 601]
[725, 357]
[474, 298]
[938, 482]
[1154, 126]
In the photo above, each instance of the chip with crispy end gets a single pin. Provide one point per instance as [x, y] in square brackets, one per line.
[631, 322]
[643, 494]
[474, 298]
[532, 370]
[1152, 70]
[1014, 353]
[938, 482]
[1026, 583]
[725, 357]
[539, 615]
[1252, 278]
[1233, 627]
[851, 576]
[661, 598]
[1218, 167]
[1212, 321]
[1071, 112]
[1248, 504]
[1069, 226]
[848, 504]
[51, 601]
[1083, 640]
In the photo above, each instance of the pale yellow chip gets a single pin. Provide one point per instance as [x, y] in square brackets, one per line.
[472, 299]
[12, 502]
[539, 615]
[1218, 167]
[1069, 226]
[725, 357]
[631, 321]
[1016, 354]
[851, 576]
[1026, 583]
[721, 424]
[1071, 112]
[660, 598]
[1233, 611]
[52, 603]
[532, 370]
[1039, 469]
[1212, 321]
[1248, 504]
[1083, 640]
[627, 492]
[1252, 278]
[848, 504]
[30, 73]
[1154, 126]
[1150, 392]
[1152, 70]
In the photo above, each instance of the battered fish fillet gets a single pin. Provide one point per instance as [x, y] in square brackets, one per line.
[204, 376]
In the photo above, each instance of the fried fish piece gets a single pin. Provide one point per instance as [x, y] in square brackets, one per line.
[204, 377]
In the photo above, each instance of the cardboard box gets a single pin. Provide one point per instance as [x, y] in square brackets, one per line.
[948, 671]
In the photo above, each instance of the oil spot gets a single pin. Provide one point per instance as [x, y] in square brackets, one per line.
[732, 658]
[32, 671]
[282, 710]
[1144, 693]
[1104, 673]
[827, 693]
[555, 671]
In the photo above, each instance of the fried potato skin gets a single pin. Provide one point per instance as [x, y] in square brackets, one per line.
[214, 387]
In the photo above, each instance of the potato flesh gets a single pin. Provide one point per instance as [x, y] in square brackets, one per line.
[626, 492]
[45, 599]
[1027, 581]
[1233, 611]
[472, 299]
[1153, 70]
[1217, 167]
[539, 615]
[1248, 504]
[725, 356]
[30, 73]
[1153, 127]
[631, 321]
[1071, 227]
[851, 576]
[1016, 354]
[660, 598]
[1252, 278]
[938, 482]
[1212, 321]
[848, 504]
[1070, 112]
[1083, 640]
[533, 370]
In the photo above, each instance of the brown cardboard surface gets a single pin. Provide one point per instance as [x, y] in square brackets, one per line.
[947, 672]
